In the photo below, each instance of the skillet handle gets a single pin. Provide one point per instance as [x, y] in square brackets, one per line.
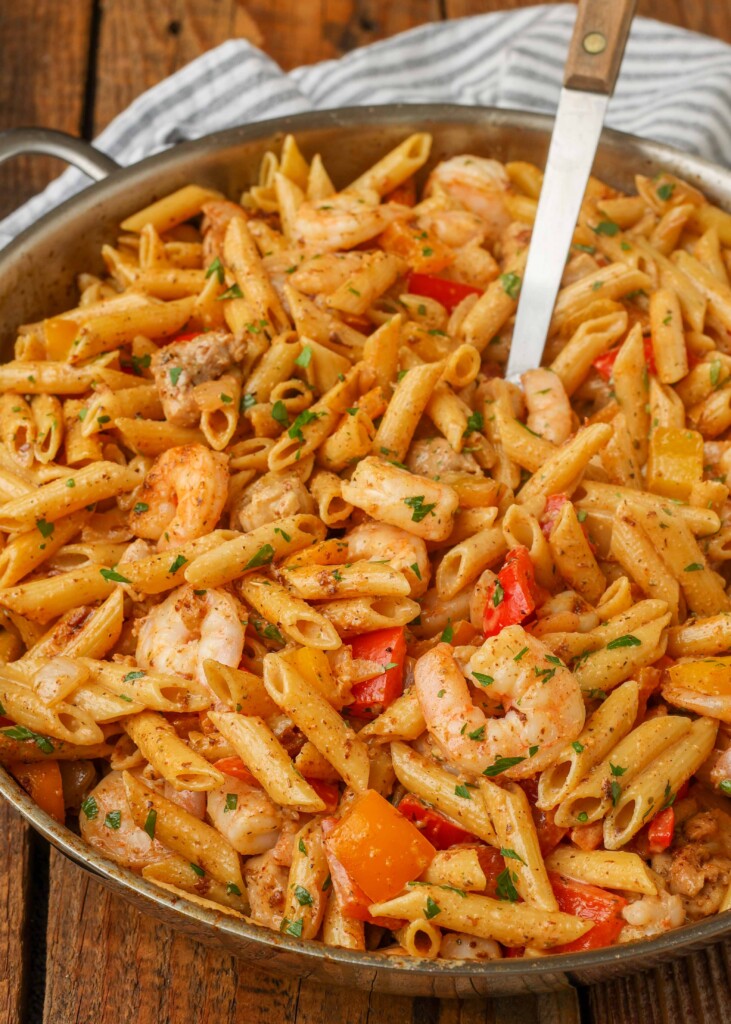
[44, 140]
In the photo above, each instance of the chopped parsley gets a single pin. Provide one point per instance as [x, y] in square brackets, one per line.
[482, 679]
[113, 576]
[90, 807]
[137, 674]
[304, 358]
[505, 888]
[665, 191]
[474, 422]
[216, 268]
[498, 595]
[174, 375]
[291, 927]
[693, 567]
[305, 417]
[478, 734]
[178, 563]
[279, 413]
[20, 732]
[285, 536]
[447, 633]
[578, 747]
[462, 791]
[232, 802]
[505, 851]
[303, 896]
[606, 227]
[234, 292]
[113, 820]
[628, 640]
[264, 556]
[431, 909]
[141, 507]
[419, 510]
[150, 822]
[45, 529]
[511, 284]
[500, 765]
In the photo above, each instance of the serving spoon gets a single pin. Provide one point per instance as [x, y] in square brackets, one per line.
[591, 70]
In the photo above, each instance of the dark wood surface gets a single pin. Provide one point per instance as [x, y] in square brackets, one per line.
[69, 950]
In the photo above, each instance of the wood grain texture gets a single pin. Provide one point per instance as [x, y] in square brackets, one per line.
[694, 990]
[44, 46]
[110, 964]
[14, 894]
[712, 17]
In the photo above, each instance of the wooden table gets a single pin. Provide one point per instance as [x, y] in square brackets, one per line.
[70, 951]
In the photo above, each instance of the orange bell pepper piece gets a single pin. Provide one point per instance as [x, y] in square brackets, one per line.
[675, 462]
[42, 781]
[421, 250]
[379, 848]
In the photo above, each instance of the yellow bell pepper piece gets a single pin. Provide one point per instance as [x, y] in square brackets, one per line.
[675, 462]
[60, 334]
[315, 669]
[702, 686]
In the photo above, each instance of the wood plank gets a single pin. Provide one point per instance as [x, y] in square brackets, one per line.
[708, 16]
[42, 80]
[141, 43]
[14, 912]
[694, 990]
[110, 964]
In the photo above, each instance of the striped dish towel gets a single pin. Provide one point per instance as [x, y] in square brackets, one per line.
[674, 87]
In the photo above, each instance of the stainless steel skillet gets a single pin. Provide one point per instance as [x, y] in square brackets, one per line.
[37, 279]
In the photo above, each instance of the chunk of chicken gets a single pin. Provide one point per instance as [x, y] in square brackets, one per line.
[435, 457]
[272, 497]
[180, 366]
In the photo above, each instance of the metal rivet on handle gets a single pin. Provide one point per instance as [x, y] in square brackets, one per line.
[595, 43]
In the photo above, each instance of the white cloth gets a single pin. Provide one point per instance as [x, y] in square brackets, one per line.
[674, 87]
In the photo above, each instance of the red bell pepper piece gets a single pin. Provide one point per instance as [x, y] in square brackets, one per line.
[185, 336]
[440, 831]
[5, 721]
[493, 864]
[515, 595]
[328, 792]
[604, 364]
[589, 901]
[388, 648]
[661, 830]
[449, 293]
[554, 504]
[235, 767]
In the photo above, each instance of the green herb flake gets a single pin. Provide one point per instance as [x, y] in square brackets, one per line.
[505, 888]
[178, 563]
[90, 807]
[511, 285]
[582, 817]
[725, 786]
[477, 734]
[232, 889]
[693, 567]
[45, 529]
[279, 413]
[113, 820]
[303, 896]
[616, 791]
[198, 870]
[131, 676]
[174, 375]
[505, 851]
[520, 654]
[150, 822]
[463, 792]
[305, 357]
[285, 536]
[301, 846]
[113, 576]
[431, 909]
[447, 633]
[498, 595]
[141, 507]
[665, 191]
[606, 227]
[578, 747]
[419, 510]
[500, 765]
[232, 802]
[264, 556]
[628, 640]
[216, 268]
[482, 679]
[475, 421]
[234, 292]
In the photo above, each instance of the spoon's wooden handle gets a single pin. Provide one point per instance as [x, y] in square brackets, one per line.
[597, 45]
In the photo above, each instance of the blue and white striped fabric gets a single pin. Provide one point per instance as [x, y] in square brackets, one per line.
[674, 87]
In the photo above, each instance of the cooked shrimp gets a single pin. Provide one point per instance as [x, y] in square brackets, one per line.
[435, 456]
[181, 365]
[379, 542]
[217, 216]
[549, 409]
[182, 631]
[127, 844]
[479, 184]
[542, 703]
[456, 228]
[344, 220]
[250, 822]
[182, 497]
[273, 496]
